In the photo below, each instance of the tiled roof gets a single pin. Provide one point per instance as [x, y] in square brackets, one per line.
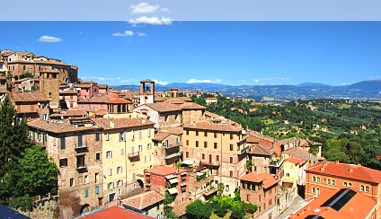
[99, 98]
[161, 136]
[71, 113]
[175, 130]
[260, 136]
[83, 85]
[116, 213]
[143, 200]
[71, 92]
[252, 139]
[294, 160]
[174, 100]
[261, 150]
[116, 123]
[299, 153]
[214, 127]
[186, 99]
[191, 106]
[164, 170]
[163, 107]
[59, 126]
[350, 210]
[267, 179]
[101, 112]
[349, 171]
[102, 86]
[119, 101]
[50, 62]
[288, 140]
[29, 97]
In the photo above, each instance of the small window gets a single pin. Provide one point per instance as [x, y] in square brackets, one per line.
[187, 154]
[98, 156]
[217, 157]
[231, 159]
[71, 182]
[231, 147]
[317, 179]
[333, 182]
[196, 144]
[110, 172]
[345, 183]
[196, 133]
[231, 136]
[187, 142]
[148, 146]
[86, 179]
[97, 137]
[187, 132]
[86, 193]
[97, 190]
[329, 181]
[215, 145]
[205, 144]
[119, 169]
[366, 188]
[63, 143]
[215, 135]
[109, 154]
[205, 134]
[231, 173]
[122, 151]
[63, 162]
[362, 188]
[140, 147]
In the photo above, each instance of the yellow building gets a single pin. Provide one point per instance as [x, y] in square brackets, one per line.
[219, 147]
[291, 168]
[126, 151]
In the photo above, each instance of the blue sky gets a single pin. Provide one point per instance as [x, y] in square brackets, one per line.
[233, 53]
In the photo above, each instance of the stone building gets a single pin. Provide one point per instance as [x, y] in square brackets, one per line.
[167, 148]
[75, 145]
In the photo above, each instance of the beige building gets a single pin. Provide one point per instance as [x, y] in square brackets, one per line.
[167, 148]
[219, 147]
[127, 151]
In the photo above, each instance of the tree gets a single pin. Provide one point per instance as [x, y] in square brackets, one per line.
[199, 210]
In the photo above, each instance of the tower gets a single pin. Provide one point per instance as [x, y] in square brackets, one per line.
[147, 91]
[49, 85]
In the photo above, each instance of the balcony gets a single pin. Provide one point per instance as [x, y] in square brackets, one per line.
[134, 155]
[169, 146]
[81, 148]
[172, 153]
[211, 164]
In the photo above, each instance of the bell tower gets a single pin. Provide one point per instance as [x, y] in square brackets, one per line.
[147, 91]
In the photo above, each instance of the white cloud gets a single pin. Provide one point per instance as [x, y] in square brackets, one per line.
[257, 80]
[125, 34]
[49, 39]
[164, 9]
[144, 8]
[191, 81]
[160, 82]
[151, 20]
[129, 33]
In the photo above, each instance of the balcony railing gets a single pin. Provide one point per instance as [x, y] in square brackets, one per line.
[169, 146]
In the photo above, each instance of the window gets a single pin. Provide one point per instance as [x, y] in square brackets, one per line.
[217, 157]
[149, 132]
[196, 144]
[333, 182]
[205, 134]
[203, 156]
[63, 162]
[140, 147]
[71, 182]
[345, 184]
[122, 136]
[231, 147]
[97, 190]
[317, 179]
[231, 173]
[187, 142]
[140, 134]
[231, 159]
[287, 175]
[97, 137]
[196, 133]
[187, 154]
[79, 140]
[215, 135]
[98, 156]
[362, 188]
[187, 132]
[350, 184]
[205, 144]
[148, 146]
[313, 190]
[231, 136]
[109, 154]
[80, 161]
[86, 179]
[63, 143]
[110, 172]
[122, 151]
[366, 188]
[86, 193]
[329, 181]
[107, 136]
[248, 197]
[119, 169]
[96, 177]
[215, 145]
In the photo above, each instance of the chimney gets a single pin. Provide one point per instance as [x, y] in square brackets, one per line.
[337, 162]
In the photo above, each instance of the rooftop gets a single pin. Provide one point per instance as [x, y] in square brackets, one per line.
[349, 171]
[261, 150]
[63, 126]
[337, 204]
[143, 200]
[267, 179]
[163, 107]
[299, 153]
[214, 127]
[161, 136]
[115, 123]
[165, 170]
[116, 213]
[29, 97]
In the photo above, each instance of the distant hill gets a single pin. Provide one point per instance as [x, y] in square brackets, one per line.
[363, 89]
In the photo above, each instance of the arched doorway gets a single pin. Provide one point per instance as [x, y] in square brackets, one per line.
[140, 182]
[85, 208]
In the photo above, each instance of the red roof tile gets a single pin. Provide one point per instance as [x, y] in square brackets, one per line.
[349, 171]
[143, 200]
[214, 127]
[119, 101]
[267, 179]
[116, 213]
[164, 170]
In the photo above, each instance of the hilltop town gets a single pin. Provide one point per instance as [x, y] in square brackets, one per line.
[150, 154]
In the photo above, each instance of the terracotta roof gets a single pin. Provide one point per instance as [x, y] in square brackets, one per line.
[186, 99]
[174, 100]
[161, 136]
[299, 153]
[212, 115]
[214, 127]
[191, 106]
[288, 140]
[143, 200]
[117, 123]
[102, 86]
[71, 113]
[350, 210]
[349, 171]
[29, 97]
[61, 126]
[116, 213]
[159, 99]
[163, 107]
[101, 112]
[119, 101]
[83, 85]
[70, 92]
[252, 139]
[294, 160]
[50, 62]
[261, 150]
[99, 98]
[175, 130]
[164, 170]
[260, 136]
[267, 179]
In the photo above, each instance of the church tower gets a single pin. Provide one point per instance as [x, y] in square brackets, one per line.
[147, 91]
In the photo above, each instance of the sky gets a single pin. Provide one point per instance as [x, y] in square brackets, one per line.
[151, 42]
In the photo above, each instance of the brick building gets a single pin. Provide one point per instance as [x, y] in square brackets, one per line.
[75, 145]
[260, 190]
[327, 176]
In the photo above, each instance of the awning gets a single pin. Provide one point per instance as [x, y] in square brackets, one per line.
[183, 173]
[172, 191]
[170, 176]
[199, 174]
[173, 181]
[188, 162]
